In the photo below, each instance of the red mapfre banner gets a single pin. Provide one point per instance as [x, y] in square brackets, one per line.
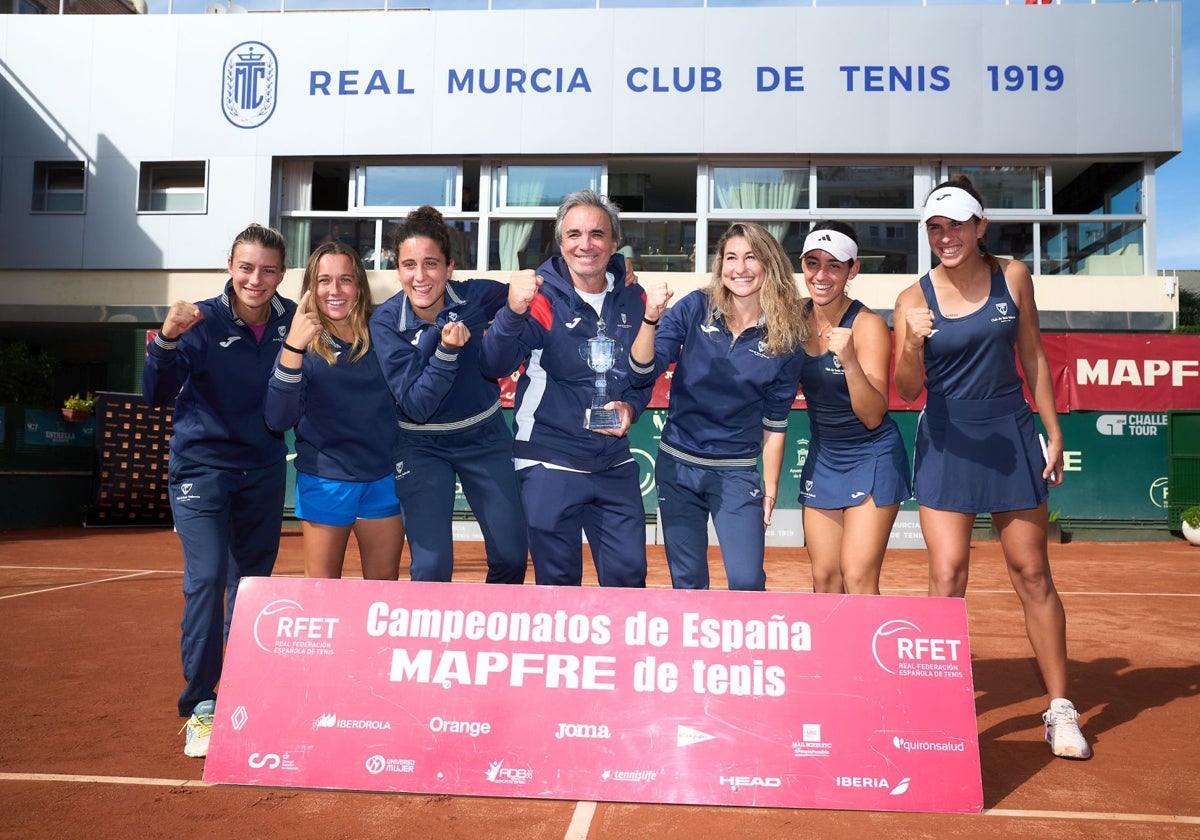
[1091, 372]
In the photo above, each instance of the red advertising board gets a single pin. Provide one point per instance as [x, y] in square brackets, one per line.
[1090, 371]
[723, 698]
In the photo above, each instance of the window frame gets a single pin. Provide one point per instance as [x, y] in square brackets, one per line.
[147, 191]
[43, 170]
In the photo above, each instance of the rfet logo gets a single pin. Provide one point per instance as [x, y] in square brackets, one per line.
[902, 648]
[282, 627]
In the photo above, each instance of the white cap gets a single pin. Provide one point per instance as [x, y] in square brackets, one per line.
[838, 245]
[953, 203]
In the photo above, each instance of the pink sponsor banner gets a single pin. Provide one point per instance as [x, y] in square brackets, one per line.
[721, 698]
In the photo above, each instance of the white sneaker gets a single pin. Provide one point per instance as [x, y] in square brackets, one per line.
[1062, 731]
[199, 729]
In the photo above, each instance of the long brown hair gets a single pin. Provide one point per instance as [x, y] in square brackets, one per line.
[360, 314]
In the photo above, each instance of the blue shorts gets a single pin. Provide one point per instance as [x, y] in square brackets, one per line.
[332, 502]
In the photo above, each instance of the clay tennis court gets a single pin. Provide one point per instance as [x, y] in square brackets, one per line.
[90, 674]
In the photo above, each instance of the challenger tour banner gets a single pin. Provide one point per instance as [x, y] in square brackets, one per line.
[703, 697]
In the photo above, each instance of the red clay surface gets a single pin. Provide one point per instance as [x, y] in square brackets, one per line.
[90, 672]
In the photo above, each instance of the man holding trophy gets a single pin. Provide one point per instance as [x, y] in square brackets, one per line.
[571, 323]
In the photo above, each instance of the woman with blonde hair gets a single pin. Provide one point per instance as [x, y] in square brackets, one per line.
[737, 349]
[328, 384]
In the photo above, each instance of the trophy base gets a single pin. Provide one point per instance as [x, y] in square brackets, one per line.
[599, 419]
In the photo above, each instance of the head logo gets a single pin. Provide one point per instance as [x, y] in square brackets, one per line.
[248, 81]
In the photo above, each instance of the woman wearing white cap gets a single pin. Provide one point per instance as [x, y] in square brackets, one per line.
[856, 472]
[977, 446]
[736, 349]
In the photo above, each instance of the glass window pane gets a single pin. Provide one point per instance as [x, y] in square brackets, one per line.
[887, 247]
[174, 187]
[409, 186]
[1011, 240]
[661, 245]
[546, 186]
[865, 186]
[653, 186]
[766, 188]
[58, 187]
[1104, 248]
[1098, 187]
[520, 243]
[1007, 187]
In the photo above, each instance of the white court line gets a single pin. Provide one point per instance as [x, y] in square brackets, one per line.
[91, 569]
[581, 821]
[73, 585]
[102, 780]
[1088, 815]
[584, 811]
[886, 590]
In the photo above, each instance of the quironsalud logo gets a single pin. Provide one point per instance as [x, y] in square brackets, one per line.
[249, 80]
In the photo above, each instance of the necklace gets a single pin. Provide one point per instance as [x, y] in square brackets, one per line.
[821, 332]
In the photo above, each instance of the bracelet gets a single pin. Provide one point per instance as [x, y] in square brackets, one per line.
[653, 323]
[295, 350]
[772, 498]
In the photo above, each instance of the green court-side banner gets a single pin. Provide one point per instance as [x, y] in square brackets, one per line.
[1115, 464]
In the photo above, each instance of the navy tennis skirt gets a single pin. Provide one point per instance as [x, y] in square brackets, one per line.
[842, 473]
[978, 456]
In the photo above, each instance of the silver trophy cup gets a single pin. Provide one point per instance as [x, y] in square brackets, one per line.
[600, 355]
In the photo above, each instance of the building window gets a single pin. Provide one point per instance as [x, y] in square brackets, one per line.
[58, 187]
[409, 186]
[544, 186]
[173, 187]
[1007, 187]
[760, 188]
[852, 187]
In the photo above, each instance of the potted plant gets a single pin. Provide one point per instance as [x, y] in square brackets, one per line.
[1053, 527]
[1189, 521]
[77, 409]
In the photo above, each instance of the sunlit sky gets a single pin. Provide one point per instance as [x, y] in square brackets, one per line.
[1178, 180]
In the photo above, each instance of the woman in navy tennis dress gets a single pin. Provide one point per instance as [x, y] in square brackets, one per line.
[977, 446]
[856, 472]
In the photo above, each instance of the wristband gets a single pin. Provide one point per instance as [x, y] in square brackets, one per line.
[295, 350]
[653, 323]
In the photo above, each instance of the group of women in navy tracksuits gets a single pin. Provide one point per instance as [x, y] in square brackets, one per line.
[395, 406]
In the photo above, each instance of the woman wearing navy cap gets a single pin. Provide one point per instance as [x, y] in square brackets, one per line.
[856, 472]
[977, 446]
